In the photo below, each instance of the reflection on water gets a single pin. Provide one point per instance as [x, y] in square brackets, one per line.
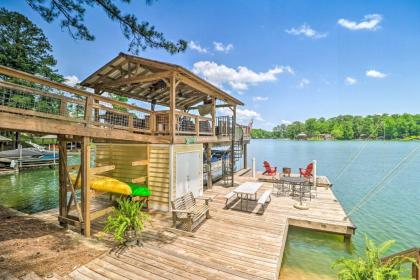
[31, 191]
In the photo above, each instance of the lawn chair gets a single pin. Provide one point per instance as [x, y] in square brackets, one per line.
[270, 171]
[307, 172]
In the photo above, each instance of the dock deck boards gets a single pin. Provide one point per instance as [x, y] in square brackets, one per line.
[231, 245]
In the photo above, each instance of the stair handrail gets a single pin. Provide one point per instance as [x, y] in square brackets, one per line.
[413, 253]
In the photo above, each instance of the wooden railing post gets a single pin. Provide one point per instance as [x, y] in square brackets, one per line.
[63, 107]
[152, 123]
[197, 126]
[88, 110]
[130, 123]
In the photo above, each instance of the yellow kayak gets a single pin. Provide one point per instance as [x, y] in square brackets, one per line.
[105, 184]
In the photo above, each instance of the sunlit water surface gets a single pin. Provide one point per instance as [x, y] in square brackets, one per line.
[391, 214]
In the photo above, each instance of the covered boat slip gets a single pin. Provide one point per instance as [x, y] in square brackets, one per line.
[232, 244]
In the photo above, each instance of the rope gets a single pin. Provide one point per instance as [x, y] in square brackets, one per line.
[381, 184]
[354, 157]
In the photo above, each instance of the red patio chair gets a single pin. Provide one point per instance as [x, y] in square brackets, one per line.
[270, 171]
[307, 172]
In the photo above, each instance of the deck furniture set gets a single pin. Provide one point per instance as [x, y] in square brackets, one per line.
[295, 186]
[248, 191]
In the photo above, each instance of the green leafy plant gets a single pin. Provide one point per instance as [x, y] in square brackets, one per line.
[371, 266]
[128, 216]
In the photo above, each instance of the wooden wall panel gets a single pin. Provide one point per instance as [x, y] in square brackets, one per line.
[157, 172]
[158, 176]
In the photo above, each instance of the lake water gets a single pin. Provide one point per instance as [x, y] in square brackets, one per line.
[391, 214]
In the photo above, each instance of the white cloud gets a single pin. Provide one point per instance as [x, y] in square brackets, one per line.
[307, 31]
[303, 83]
[240, 78]
[369, 22]
[220, 47]
[196, 46]
[242, 115]
[350, 81]
[246, 115]
[375, 74]
[259, 98]
[71, 80]
[285, 122]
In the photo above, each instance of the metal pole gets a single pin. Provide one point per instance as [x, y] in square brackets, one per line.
[314, 171]
[54, 154]
[20, 155]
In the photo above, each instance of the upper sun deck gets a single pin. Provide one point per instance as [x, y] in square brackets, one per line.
[181, 104]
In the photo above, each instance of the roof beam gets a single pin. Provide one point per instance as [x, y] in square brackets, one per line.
[139, 79]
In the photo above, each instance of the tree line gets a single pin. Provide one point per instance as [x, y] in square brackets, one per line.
[347, 127]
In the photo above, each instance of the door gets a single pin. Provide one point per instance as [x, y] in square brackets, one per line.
[188, 174]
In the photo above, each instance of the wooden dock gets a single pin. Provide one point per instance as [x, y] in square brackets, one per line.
[231, 245]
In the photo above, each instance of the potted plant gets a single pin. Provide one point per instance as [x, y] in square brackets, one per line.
[371, 265]
[126, 222]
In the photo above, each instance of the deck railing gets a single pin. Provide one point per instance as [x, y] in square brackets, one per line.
[186, 124]
[29, 95]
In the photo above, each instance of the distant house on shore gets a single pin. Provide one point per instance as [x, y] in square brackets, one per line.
[325, 136]
[301, 136]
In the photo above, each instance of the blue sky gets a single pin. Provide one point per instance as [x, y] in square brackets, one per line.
[287, 60]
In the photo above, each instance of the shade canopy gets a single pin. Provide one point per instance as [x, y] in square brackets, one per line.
[150, 80]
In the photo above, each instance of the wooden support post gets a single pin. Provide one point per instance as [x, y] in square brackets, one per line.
[232, 152]
[213, 116]
[62, 173]
[245, 156]
[85, 189]
[172, 106]
[208, 162]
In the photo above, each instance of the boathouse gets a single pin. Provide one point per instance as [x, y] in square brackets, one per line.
[157, 137]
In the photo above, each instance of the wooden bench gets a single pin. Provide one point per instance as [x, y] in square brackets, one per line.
[190, 214]
[229, 196]
[266, 196]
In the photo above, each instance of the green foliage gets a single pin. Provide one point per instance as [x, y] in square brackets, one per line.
[370, 265]
[127, 216]
[71, 13]
[405, 126]
[23, 46]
